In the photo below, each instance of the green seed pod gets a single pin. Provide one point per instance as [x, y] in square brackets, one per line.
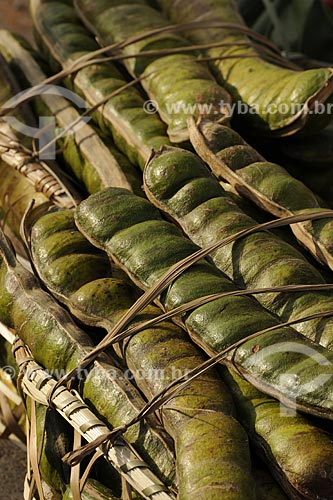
[267, 184]
[134, 234]
[280, 100]
[64, 40]
[58, 344]
[179, 183]
[212, 457]
[299, 452]
[319, 180]
[95, 163]
[178, 83]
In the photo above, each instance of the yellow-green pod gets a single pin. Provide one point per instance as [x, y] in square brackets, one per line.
[268, 96]
[212, 456]
[133, 232]
[180, 184]
[265, 183]
[178, 83]
[64, 40]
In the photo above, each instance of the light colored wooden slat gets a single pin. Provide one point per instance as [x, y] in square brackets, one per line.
[38, 385]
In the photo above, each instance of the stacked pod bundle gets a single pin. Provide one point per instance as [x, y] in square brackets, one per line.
[180, 184]
[103, 301]
[133, 233]
[267, 184]
[281, 100]
[64, 40]
[58, 344]
[178, 82]
[212, 456]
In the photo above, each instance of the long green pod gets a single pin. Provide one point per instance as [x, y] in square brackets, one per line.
[95, 163]
[16, 147]
[132, 231]
[212, 458]
[267, 184]
[101, 302]
[58, 344]
[211, 447]
[299, 452]
[280, 100]
[65, 40]
[180, 184]
[178, 83]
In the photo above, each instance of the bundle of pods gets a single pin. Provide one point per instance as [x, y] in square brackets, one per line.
[188, 322]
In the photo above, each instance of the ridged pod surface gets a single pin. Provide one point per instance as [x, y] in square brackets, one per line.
[103, 301]
[299, 452]
[282, 98]
[65, 40]
[95, 162]
[180, 184]
[212, 457]
[267, 184]
[178, 83]
[132, 231]
[58, 344]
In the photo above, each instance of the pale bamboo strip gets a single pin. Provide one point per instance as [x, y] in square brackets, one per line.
[37, 384]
